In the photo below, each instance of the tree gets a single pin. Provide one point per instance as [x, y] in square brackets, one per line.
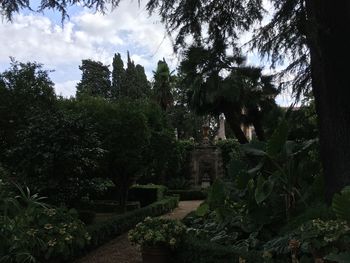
[312, 34]
[309, 32]
[244, 95]
[118, 76]
[25, 90]
[161, 145]
[95, 79]
[163, 85]
[55, 153]
[123, 130]
[135, 84]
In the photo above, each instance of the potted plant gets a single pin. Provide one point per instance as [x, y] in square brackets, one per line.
[157, 238]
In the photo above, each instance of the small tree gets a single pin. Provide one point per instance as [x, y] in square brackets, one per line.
[125, 135]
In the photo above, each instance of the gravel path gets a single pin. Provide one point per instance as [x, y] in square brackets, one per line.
[119, 250]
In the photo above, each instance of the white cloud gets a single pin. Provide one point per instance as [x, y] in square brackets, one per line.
[66, 88]
[91, 35]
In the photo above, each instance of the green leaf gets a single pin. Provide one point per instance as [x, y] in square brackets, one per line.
[263, 189]
[278, 139]
[251, 149]
[202, 210]
[340, 258]
[341, 204]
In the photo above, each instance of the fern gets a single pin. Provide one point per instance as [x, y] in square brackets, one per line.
[341, 204]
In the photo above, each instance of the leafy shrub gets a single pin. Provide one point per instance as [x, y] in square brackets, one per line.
[194, 250]
[101, 206]
[108, 206]
[104, 231]
[319, 238]
[157, 232]
[189, 194]
[341, 204]
[34, 232]
[229, 148]
[147, 194]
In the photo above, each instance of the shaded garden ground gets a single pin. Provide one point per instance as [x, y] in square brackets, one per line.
[120, 250]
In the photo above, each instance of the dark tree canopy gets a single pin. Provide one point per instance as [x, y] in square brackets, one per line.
[95, 79]
[311, 35]
[163, 84]
[118, 75]
[135, 84]
[225, 85]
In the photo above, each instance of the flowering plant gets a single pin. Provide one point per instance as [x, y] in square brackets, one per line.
[157, 232]
[32, 231]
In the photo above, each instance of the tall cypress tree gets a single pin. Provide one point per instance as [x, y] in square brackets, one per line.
[118, 76]
[135, 84]
[142, 83]
[95, 80]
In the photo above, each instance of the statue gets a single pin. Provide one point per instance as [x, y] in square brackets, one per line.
[221, 132]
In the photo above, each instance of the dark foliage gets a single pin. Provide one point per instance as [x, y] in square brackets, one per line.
[102, 232]
[147, 194]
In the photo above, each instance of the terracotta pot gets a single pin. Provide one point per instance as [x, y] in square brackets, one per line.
[155, 255]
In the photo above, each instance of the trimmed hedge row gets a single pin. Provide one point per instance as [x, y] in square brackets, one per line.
[147, 194]
[193, 250]
[104, 231]
[107, 206]
[187, 195]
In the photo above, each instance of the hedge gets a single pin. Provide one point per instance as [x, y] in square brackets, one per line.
[186, 195]
[107, 206]
[104, 231]
[194, 250]
[147, 194]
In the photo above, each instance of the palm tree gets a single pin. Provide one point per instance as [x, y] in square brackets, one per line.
[222, 84]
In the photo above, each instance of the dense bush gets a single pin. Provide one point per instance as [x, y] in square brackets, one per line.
[194, 250]
[125, 134]
[31, 231]
[157, 232]
[44, 146]
[104, 231]
[147, 194]
[179, 165]
[189, 194]
[228, 147]
[108, 206]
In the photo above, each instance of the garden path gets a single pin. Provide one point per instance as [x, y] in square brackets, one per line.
[119, 250]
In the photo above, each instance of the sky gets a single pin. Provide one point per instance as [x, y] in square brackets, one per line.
[89, 35]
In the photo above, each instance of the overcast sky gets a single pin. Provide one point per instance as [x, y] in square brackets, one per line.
[41, 38]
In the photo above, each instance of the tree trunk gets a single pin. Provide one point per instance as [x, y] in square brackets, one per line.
[328, 34]
[236, 127]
